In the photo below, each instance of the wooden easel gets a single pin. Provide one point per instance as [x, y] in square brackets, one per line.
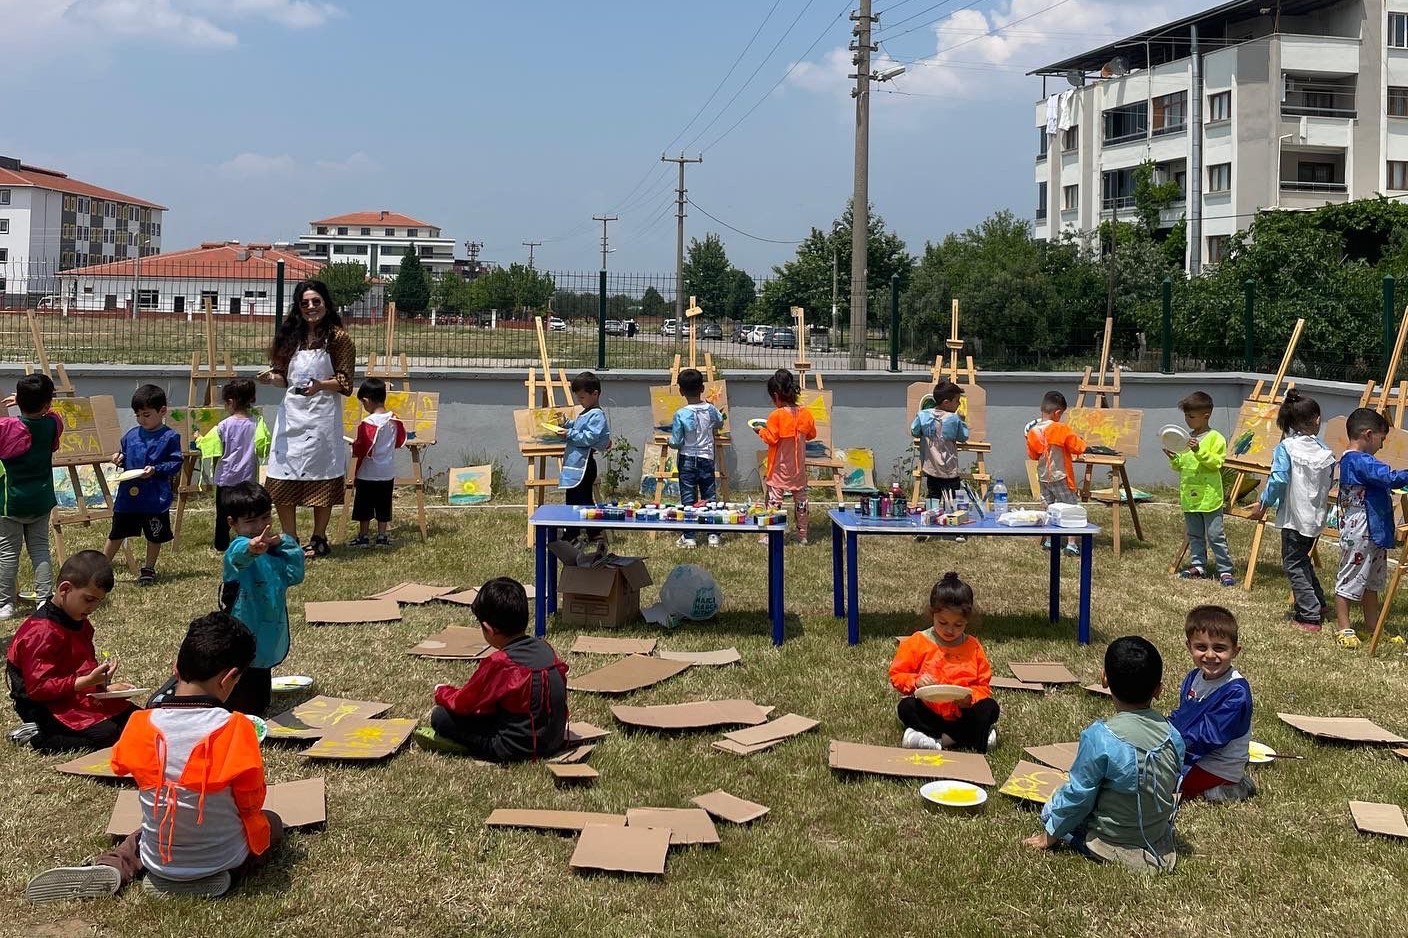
[200, 392]
[542, 392]
[1391, 398]
[391, 366]
[54, 371]
[965, 375]
[830, 471]
[91, 436]
[660, 440]
[1104, 393]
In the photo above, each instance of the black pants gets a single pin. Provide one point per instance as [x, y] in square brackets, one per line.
[1305, 585]
[969, 731]
[252, 694]
[222, 523]
[475, 735]
[934, 487]
[55, 737]
[581, 494]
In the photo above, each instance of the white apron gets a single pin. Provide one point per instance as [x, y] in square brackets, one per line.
[307, 439]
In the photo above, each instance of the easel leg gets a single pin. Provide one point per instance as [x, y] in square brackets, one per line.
[1115, 512]
[418, 480]
[1386, 601]
[1178, 557]
[1253, 555]
[1129, 499]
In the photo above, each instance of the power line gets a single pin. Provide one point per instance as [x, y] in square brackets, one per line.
[916, 16]
[739, 230]
[929, 60]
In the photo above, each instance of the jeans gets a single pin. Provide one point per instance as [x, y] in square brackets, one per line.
[1204, 532]
[697, 481]
[33, 533]
[1305, 585]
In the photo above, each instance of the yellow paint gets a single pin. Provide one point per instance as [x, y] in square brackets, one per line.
[931, 759]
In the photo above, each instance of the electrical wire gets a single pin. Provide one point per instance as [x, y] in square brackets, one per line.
[745, 234]
[916, 16]
[966, 6]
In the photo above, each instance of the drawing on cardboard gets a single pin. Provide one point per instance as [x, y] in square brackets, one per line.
[539, 425]
[664, 401]
[1115, 427]
[860, 468]
[91, 431]
[312, 718]
[654, 462]
[972, 406]
[87, 484]
[362, 739]
[419, 412]
[470, 485]
[92, 764]
[1256, 434]
[1033, 782]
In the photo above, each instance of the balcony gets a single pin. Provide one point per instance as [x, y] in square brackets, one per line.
[1305, 98]
[1299, 185]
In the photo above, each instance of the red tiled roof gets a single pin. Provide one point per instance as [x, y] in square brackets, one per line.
[53, 179]
[382, 218]
[213, 260]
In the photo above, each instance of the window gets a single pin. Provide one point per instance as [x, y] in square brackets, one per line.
[1220, 177]
[211, 296]
[1117, 188]
[366, 231]
[388, 269]
[1219, 107]
[1041, 200]
[1170, 113]
[1397, 174]
[1398, 30]
[83, 205]
[390, 232]
[88, 291]
[66, 260]
[412, 232]
[147, 299]
[1070, 140]
[66, 233]
[1070, 198]
[1043, 142]
[4, 255]
[1316, 173]
[4, 196]
[69, 203]
[4, 226]
[109, 210]
[1217, 248]
[342, 231]
[1126, 123]
[322, 229]
[1397, 102]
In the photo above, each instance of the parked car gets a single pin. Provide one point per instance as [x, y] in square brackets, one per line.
[711, 330]
[780, 337]
[51, 302]
[740, 333]
[556, 325]
[615, 327]
[758, 333]
[670, 327]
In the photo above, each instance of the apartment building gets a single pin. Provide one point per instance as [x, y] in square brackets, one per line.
[1250, 106]
[377, 240]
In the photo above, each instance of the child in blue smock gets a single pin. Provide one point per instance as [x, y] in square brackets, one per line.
[585, 435]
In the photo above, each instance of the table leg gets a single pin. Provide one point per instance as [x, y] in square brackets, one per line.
[1087, 564]
[852, 590]
[777, 607]
[552, 569]
[838, 583]
[1054, 602]
[540, 581]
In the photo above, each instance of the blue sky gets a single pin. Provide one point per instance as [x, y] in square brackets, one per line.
[508, 122]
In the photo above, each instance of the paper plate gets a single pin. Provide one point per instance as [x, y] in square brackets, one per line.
[1174, 438]
[1259, 752]
[951, 794]
[757, 423]
[131, 474]
[121, 694]
[261, 729]
[943, 693]
[291, 682]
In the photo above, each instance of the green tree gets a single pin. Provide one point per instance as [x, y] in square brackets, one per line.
[347, 282]
[653, 304]
[708, 275]
[410, 291]
[451, 293]
[513, 289]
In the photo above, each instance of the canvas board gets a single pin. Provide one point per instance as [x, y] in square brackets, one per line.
[783, 727]
[415, 593]
[92, 765]
[418, 411]
[666, 399]
[1115, 427]
[1031, 781]
[910, 763]
[298, 804]
[626, 675]
[312, 718]
[627, 850]
[469, 485]
[686, 825]
[973, 407]
[572, 771]
[727, 807]
[722, 656]
[1011, 683]
[91, 430]
[351, 612]
[554, 820]
[362, 739]
[1256, 434]
[1057, 755]
[694, 715]
[1042, 672]
[532, 423]
[455, 643]
[599, 645]
[1373, 818]
[1348, 729]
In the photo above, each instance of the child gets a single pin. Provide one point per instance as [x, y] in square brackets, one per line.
[1214, 712]
[1200, 491]
[379, 435]
[945, 653]
[239, 442]
[939, 430]
[514, 707]
[1052, 444]
[143, 505]
[1366, 517]
[53, 667]
[259, 568]
[1118, 804]
[200, 780]
[585, 435]
[27, 447]
[1301, 471]
[786, 433]
[692, 433]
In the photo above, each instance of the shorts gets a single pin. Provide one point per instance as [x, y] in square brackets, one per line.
[156, 528]
[934, 487]
[1363, 564]
[371, 499]
[1058, 493]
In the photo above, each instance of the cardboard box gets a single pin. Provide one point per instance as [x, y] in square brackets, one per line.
[604, 595]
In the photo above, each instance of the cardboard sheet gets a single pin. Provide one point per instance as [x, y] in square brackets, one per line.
[1373, 818]
[626, 675]
[573, 772]
[1042, 672]
[686, 825]
[1348, 729]
[696, 715]
[1401, 753]
[579, 731]
[1095, 687]
[298, 804]
[312, 718]
[570, 756]
[784, 727]
[1032, 782]
[1057, 755]
[362, 739]
[91, 430]
[910, 763]
[416, 593]
[596, 645]
[456, 643]
[554, 820]
[92, 765]
[730, 808]
[720, 657]
[738, 749]
[466, 597]
[624, 850]
[346, 613]
[1011, 683]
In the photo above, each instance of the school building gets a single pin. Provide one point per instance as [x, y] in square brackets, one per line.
[377, 240]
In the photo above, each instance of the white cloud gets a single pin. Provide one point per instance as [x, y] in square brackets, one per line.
[294, 14]
[157, 19]
[358, 162]
[257, 166]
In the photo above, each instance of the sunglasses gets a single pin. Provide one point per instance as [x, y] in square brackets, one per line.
[313, 301]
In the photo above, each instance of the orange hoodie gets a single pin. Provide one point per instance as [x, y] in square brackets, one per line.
[965, 665]
[786, 434]
[1045, 439]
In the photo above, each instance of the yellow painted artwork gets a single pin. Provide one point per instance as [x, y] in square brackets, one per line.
[471, 485]
[373, 739]
[927, 758]
[818, 403]
[1256, 435]
[539, 425]
[1033, 783]
[1115, 427]
[972, 407]
[91, 432]
[195, 422]
[419, 411]
[667, 399]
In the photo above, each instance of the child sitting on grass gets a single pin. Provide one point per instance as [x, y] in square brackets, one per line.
[945, 653]
[200, 780]
[1199, 469]
[1366, 518]
[1214, 712]
[1118, 804]
[514, 707]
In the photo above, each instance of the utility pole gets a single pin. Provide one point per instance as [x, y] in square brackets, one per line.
[835, 311]
[679, 231]
[860, 196]
[1114, 243]
[530, 245]
[473, 248]
[604, 250]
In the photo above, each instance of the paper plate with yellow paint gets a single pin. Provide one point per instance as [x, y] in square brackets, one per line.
[943, 693]
[951, 794]
[1260, 752]
[288, 683]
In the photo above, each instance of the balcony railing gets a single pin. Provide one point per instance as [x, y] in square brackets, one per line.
[1122, 201]
[1319, 101]
[1295, 185]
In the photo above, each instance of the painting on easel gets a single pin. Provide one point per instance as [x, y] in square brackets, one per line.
[666, 399]
[1256, 435]
[658, 466]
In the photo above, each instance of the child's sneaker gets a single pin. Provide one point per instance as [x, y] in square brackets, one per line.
[715, 541]
[7, 611]
[427, 738]
[1347, 638]
[686, 542]
[1307, 626]
[23, 734]
[383, 540]
[1227, 579]
[1193, 573]
[913, 739]
[361, 540]
[920, 538]
[1073, 549]
[207, 887]
[992, 739]
[147, 577]
[74, 882]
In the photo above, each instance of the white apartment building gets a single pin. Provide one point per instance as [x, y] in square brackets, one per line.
[50, 222]
[1251, 105]
[377, 240]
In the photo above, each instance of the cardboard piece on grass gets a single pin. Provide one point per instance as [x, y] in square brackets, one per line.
[298, 804]
[1348, 729]
[1011, 683]
[1372, 818]
[572, 772]
[466, 597]
[553, 820]
[92, 765]
[1401, 753]
[570, 756]
[784, 727]
[696, 715]
[1095, 687]
[312, 718]
[626, 675]
[346, 613]
[624, 850]
[1057, 755]
[730, 808]
[686, 825]
[599, 645]
[738, 749]
[1042, 672]
[579, 731]
[416, 593]
[362, 739]
[456, 643]
[1033, 782]
[910, 763]
[722, 656]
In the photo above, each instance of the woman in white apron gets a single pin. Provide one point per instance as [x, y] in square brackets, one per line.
[313, 357]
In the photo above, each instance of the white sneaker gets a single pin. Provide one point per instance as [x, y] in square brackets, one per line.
[74, 882]
[7, 611]
[992, 739]
[686, 542]
[715, 541]
[913, 739]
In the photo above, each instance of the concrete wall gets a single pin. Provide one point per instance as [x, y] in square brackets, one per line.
[476, 410]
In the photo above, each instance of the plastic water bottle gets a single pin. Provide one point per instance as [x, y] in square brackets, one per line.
[999, 497]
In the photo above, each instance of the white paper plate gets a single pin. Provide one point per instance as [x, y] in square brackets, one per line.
[121, 694]
[951, 794]
[291, 682]
[1258, 753]
[261, 729]
[943, 693]
[131, 474]
[757, 423]
[1174, 438]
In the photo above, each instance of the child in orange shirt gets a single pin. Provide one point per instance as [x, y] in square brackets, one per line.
[945, 653]
[786, 433]
[1052, 444]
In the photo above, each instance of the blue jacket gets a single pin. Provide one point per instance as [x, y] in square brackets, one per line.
[254, 592]
[586, 433]
[160, 449]
[686, 432]
[1377, 480]
[1209, 724]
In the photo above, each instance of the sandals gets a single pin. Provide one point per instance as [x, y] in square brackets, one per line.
[317, 546]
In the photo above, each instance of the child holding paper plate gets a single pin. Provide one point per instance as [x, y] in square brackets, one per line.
[946, 677]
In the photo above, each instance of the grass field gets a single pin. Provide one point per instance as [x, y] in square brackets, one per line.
[405, 852]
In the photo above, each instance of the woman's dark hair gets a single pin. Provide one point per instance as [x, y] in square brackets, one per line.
[1298, 413]
[784, 386]
[293, 334]
[951, 593]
